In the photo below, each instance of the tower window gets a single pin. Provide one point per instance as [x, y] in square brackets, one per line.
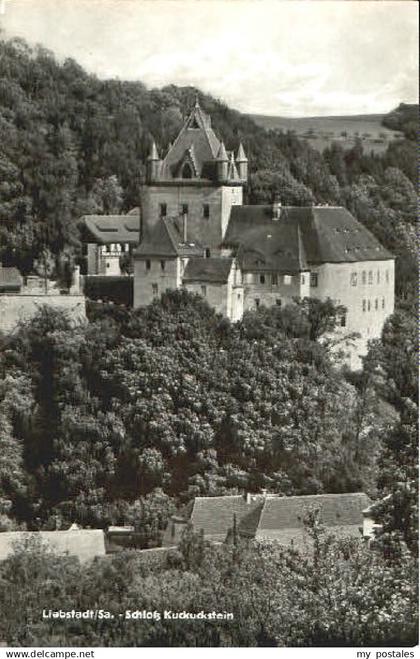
[383, 303]
[208, 253]
[148, 265]
[162, 265]
[155, 290]
[187, 171]
[314, 279]
[370, 278]
[204, 291]
[376, 304]
[343, 320]
[163, 210]
[353, 279]
[278, 302]
[364, 277]
[206, 211]
[184, 209]
[364, 305]
[275, 280]
[378, 277]
[387, 276]
[262, 279]
[368, 305]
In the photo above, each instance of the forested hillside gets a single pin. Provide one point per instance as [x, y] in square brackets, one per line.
[127, 418]
[72, 144]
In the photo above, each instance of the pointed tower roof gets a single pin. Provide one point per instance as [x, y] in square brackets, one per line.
[241, 157]
[198, 133]
[221, 154]
[153, 155]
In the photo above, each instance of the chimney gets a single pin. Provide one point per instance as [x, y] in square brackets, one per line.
[185, 227]
[276, 207]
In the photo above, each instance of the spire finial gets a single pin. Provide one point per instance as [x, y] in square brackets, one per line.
[153, 155]
[221, 154]
[197, 102]
[241, 157]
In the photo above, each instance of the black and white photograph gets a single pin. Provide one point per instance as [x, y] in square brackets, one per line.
[209, 327]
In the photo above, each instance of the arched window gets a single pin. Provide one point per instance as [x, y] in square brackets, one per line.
[187, 171]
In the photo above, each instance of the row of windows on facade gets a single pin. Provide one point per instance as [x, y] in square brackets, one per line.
[183, 209]
[271, 279]
[343, 317]
[368, 277]
[251, 278]
[367, 305]
[115, 247]
[155, 291]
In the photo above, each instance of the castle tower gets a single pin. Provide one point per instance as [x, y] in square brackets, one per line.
[196, 178]
[242, 162]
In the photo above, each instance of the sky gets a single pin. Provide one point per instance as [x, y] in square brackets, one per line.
[290, 58]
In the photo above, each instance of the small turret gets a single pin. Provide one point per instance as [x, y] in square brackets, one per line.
[276, 207]
[222, 163]
[153, 164]
[242, 162]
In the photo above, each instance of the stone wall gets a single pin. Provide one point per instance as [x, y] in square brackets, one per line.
[369, 297]
[259, 286]
[366, 289]
[145, 280]
[208, 231]
[17, 308]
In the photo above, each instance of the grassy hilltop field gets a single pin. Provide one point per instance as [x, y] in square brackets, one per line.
[322, 131]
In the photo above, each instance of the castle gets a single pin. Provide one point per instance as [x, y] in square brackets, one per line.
[197, 234]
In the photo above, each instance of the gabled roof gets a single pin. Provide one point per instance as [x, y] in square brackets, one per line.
[165, 239]
[105, 229]
[215, 515]
[197, 133]
[10, 279]
[327, 234]
[335, 510]
[83, 543]
[211, 270]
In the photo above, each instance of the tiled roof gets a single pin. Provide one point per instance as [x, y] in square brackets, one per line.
[106, 229]
[276, 247]
[336, 510]
[83, 543]
[197, 133]
[10, 279]
[214, 515]
[328, 234]
[213, 269]
[165, 239]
